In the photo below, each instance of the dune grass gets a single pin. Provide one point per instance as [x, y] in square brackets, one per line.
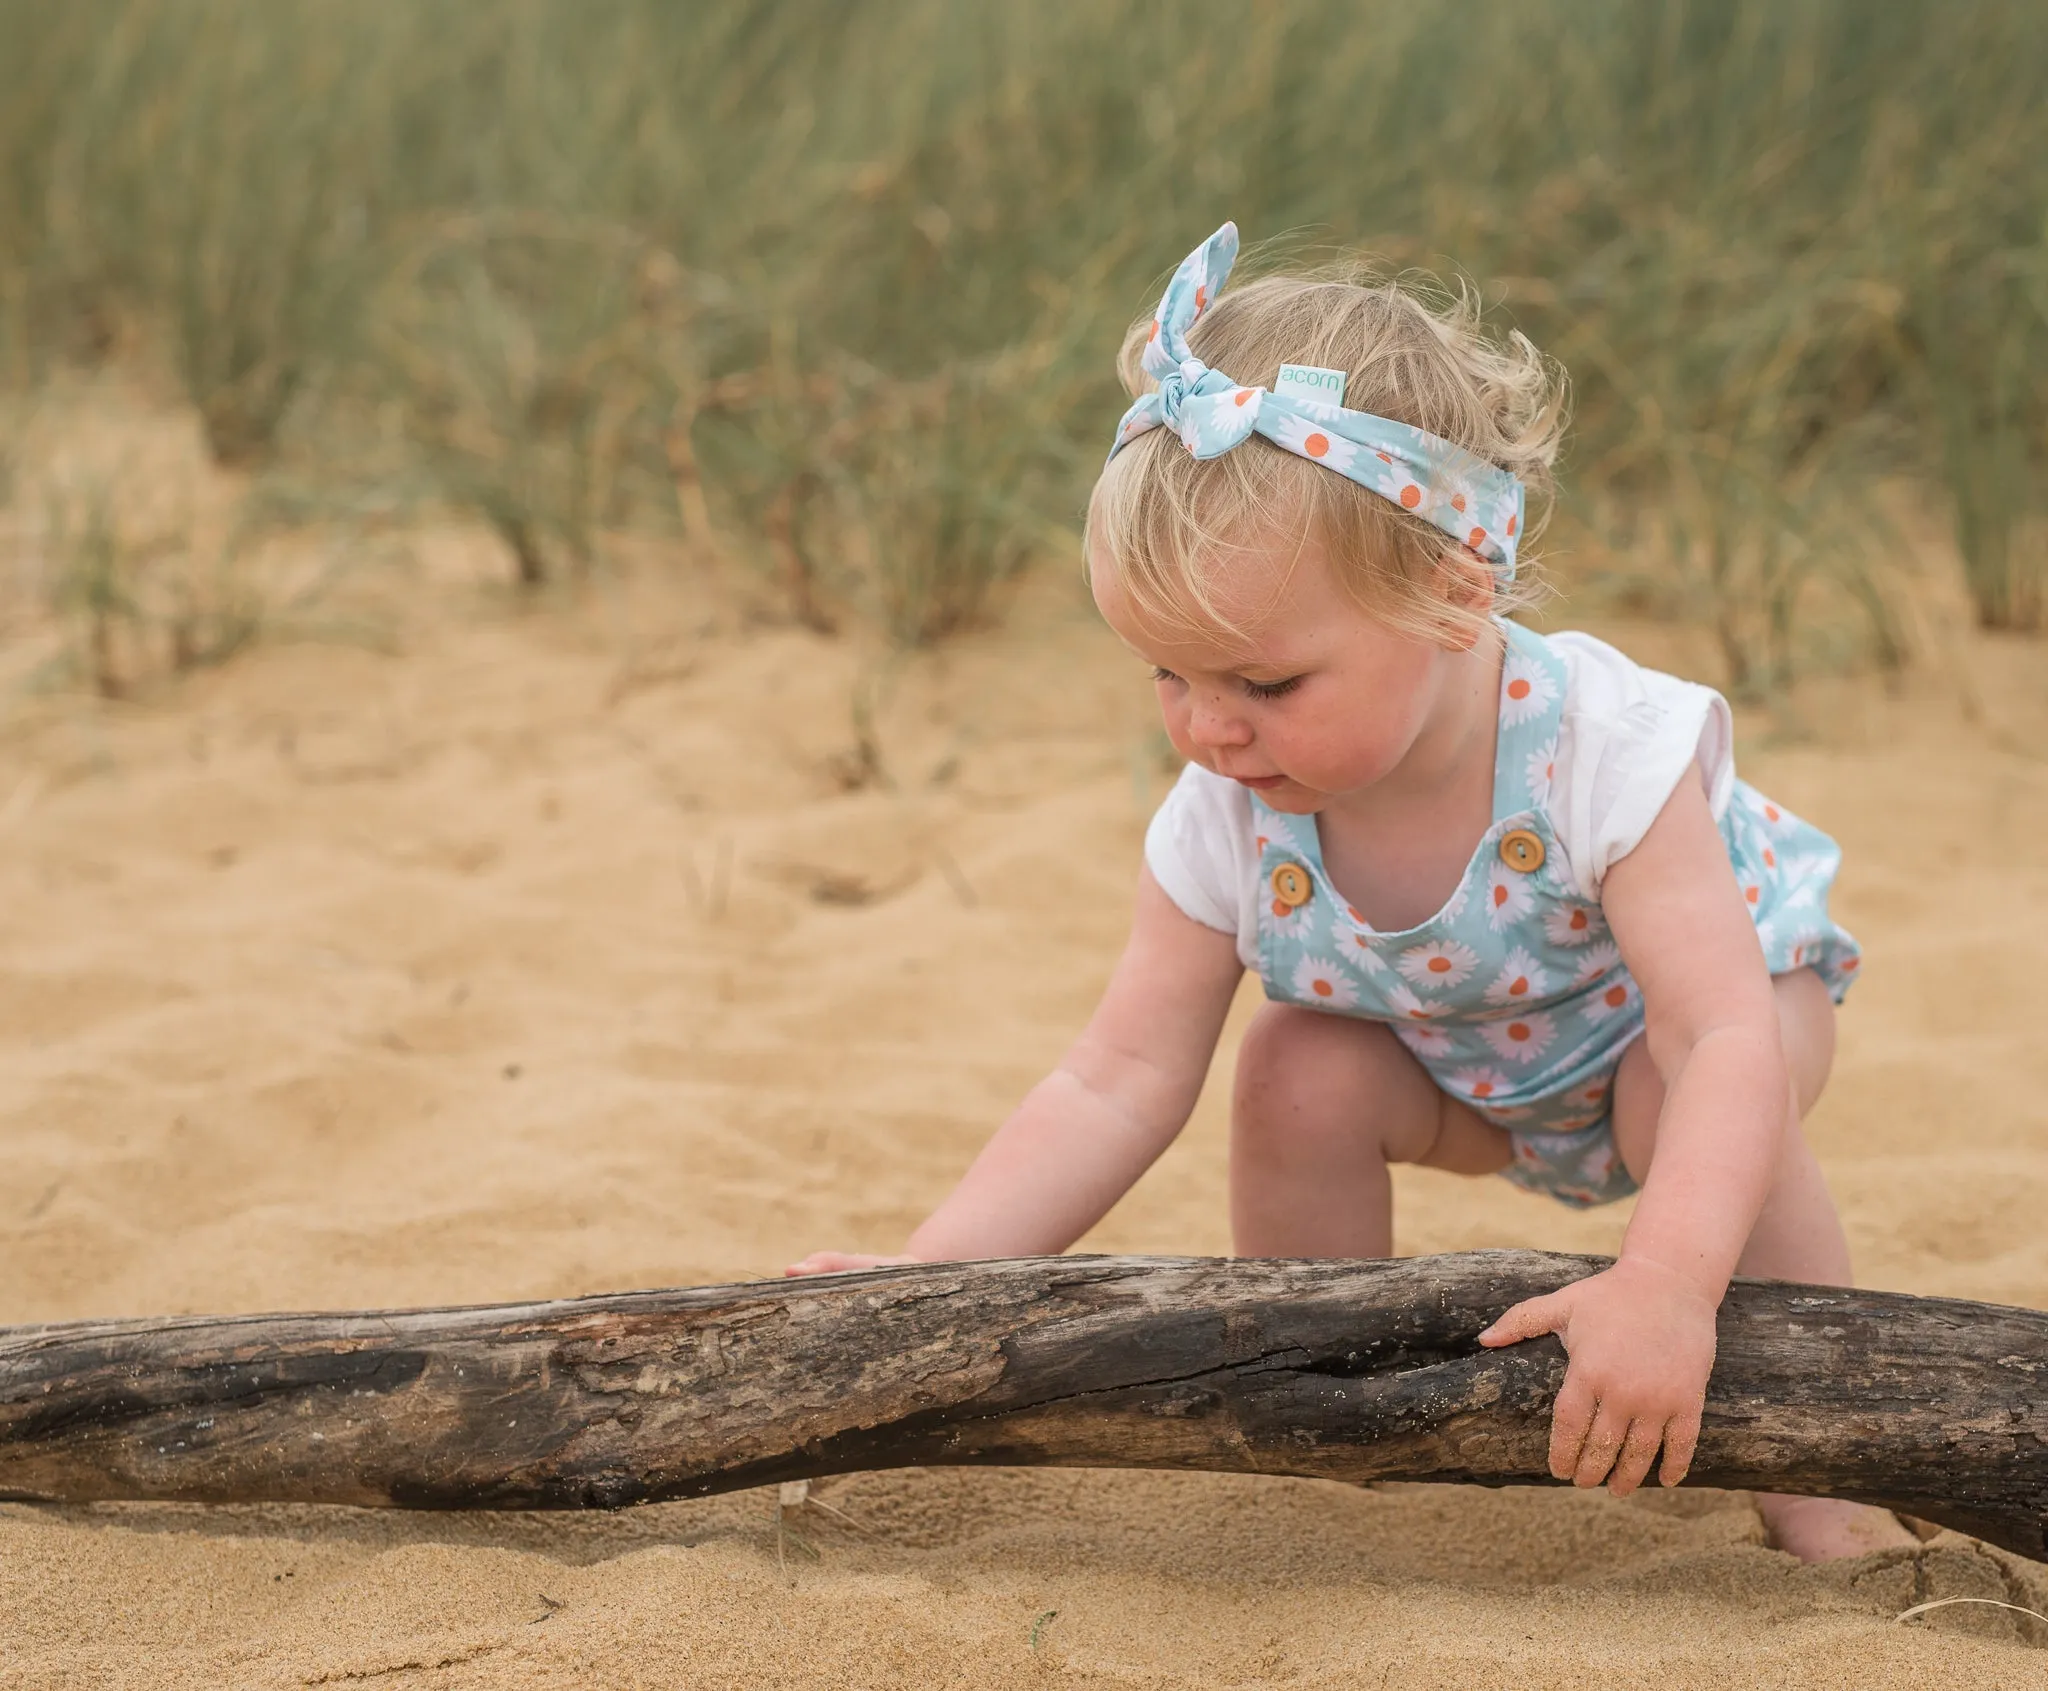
[837, 288]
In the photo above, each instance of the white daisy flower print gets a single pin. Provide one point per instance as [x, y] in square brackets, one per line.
[1573, 924]
[1600, 957]
[1508, 898]
[1320, 984]
[1408, 1007]
[1773, 814]
[1302, 435]
[1290, 920]
[1598, 1165]
[1355, 947]
[1526, 691]
[1520, 1039]
[1439, 965]
[1614, 999]
[1478, 1084]
[1273, 830]
[1540, 771]
[1521, 981]
[1431, 1044]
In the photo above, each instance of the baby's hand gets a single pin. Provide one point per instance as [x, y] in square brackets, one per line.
[841, 1262]
[1641, 1341]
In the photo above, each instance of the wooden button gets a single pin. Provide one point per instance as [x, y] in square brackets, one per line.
[1291, 885]
[1521, 850]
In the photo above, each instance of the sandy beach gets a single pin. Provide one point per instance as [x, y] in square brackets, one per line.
[632, 940]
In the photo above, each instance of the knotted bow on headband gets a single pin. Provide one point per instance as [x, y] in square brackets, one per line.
[1478, 504]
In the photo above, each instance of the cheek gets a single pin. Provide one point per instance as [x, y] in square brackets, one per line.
[1338, 751]
[1173, 714]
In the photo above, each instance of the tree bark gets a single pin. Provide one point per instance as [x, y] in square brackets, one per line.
[1339, 1370]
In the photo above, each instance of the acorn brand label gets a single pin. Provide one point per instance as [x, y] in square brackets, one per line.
[1311, 381]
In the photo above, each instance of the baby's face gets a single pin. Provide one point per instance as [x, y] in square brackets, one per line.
[1318, 701]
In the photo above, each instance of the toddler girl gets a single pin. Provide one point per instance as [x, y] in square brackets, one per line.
[1512, 910]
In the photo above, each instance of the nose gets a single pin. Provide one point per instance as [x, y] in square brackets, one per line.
[1214, 724]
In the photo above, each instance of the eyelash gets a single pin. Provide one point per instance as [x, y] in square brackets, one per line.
[1257, 689]
[1272, 689]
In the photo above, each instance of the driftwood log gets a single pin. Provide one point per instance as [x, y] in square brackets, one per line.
[1341, 1370]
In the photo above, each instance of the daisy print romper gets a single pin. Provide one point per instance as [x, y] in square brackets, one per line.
[1513, 996]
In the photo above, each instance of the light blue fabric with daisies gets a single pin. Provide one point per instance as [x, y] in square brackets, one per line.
[1513, 996]
[1476, 503]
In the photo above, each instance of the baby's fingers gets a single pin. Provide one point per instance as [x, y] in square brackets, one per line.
[1637, 1453]
[1603, 1444]
[1570, 1419]
[1681, 1439]
[1530, 1319]
[824, 1262]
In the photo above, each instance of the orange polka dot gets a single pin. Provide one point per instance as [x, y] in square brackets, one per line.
[1411, 496]
[1518, 986]
[1849, 963]
[1201, 298]
[1753, 894]
[1352, 911]
[1772, 812]
[1519, 1032]
[1616, 996]
[1500, 896]
[1316, 445]
[1439, 965]
[1418, 1015]
[1262, 842]
[1476, 538]
[1243, 396]
[1279, 909]
[1511, 525]
[1595, 1093]
[1770, 858]
[1457, 501]
[1518, 688]
[1577, 924]
[1153, 333]
[1482, 1089]
[1323, 989]
[1383, 457]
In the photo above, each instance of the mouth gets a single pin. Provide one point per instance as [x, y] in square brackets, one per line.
[1259, 783]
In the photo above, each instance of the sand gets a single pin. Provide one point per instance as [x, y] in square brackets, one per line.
[535, 952]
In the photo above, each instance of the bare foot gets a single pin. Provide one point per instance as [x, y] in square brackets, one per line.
[1819, 1529]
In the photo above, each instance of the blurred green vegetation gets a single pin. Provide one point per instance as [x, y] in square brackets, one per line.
[837, 287]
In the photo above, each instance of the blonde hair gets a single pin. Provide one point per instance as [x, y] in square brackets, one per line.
[1168, 526]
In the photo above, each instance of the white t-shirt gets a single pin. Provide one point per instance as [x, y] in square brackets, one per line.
[1627, 737]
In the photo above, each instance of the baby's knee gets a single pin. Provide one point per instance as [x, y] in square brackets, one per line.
[1286, 1048]
[1302, 1074]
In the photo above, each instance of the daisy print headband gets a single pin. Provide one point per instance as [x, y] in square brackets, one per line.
[1476, 503]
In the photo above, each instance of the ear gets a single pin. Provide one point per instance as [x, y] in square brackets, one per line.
[1469, 590]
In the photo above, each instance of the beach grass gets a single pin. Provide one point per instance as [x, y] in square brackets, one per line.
[836, 289]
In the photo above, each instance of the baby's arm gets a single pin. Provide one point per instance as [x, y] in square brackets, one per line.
[1086, 1132]
[1641, 1335]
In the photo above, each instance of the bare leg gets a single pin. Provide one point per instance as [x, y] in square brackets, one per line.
[1797, 1236]
[1322, 1105]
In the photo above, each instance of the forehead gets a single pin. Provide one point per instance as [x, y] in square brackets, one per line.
[1258, 610]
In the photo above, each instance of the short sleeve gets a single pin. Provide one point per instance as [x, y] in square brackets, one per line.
[1628, 737]
[1202, 851]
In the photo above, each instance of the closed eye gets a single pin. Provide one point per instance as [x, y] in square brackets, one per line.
[1159, 674]
[1272, 689]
